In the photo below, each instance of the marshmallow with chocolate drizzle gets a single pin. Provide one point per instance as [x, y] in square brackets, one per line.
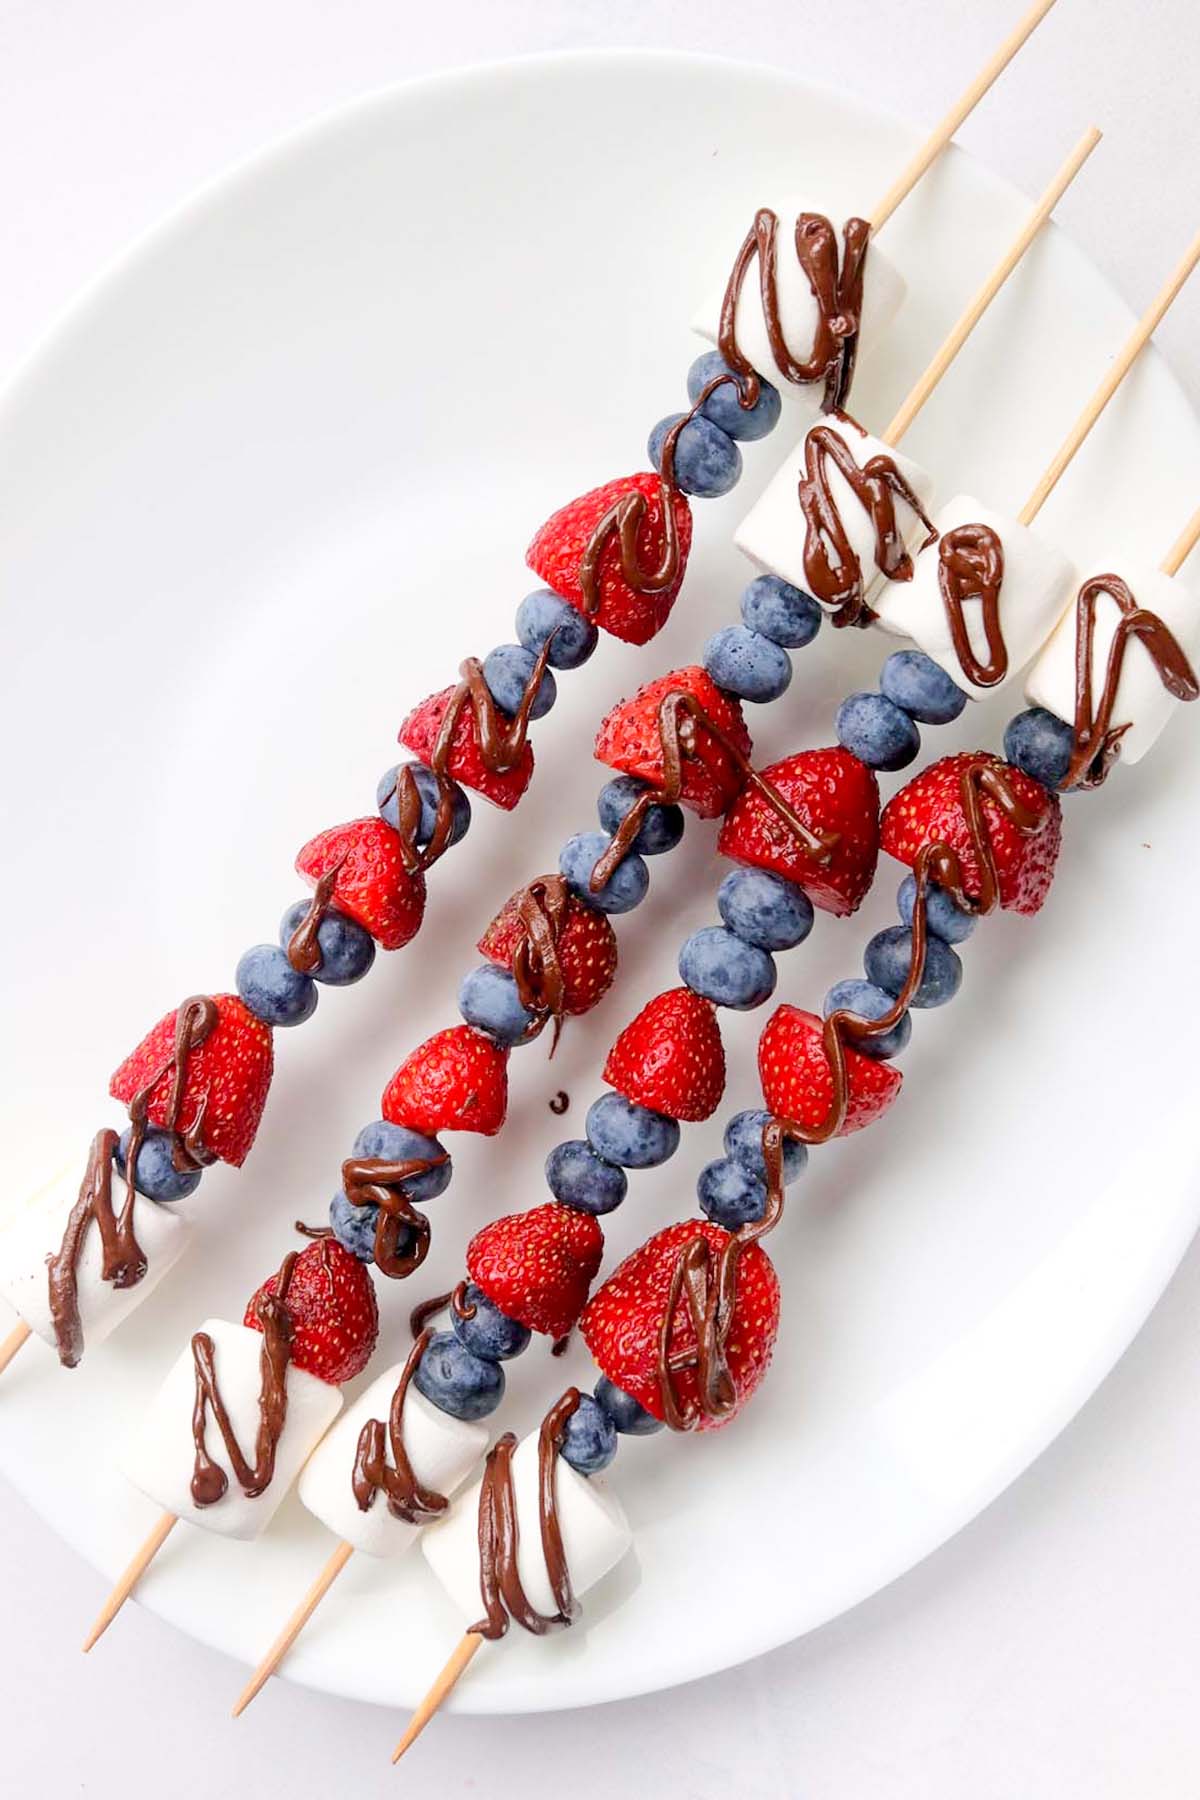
[984, 599]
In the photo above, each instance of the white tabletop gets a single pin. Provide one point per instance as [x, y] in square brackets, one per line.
[1051, 1650]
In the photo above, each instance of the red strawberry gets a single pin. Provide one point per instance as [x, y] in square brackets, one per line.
[587, 950]
[331, 1303]
[372, 883]
[831, 791]
[419, 733]
[225, 1082]
[537, 1266]
[622, 1320]
[556, 554]
[930, 810]
[797, 1081]
[629, 739]
[670, 1057]
[457, 1080]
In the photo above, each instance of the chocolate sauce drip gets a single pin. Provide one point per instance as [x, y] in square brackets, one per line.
[705, 1283]
[374, 1181]
[1097, 744]
[455, 1299]
[209, 1480]
[407, 1497]
[541, 985]
[303, 948]
[503, 1596]
[838, 295]
[832, 571]
[971, 567]
[560, 1103]
[680, 718]
[123, 1262]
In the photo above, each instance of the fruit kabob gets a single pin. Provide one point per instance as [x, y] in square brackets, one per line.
[196, 1086]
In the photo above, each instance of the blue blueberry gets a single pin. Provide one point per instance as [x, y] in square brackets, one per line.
[944, 918]
[347, 951]
[743, 1141]
[1040, 744]
[577, 1177]
[661, 827]
[397, 1143]
[625, 887]
[765, 909]
[707, 461]
[627, 1414]
[781, 612]
[925, 691]
[875, 729]
[589, 1440]
[724, 408]
[488, 999]
[723, 968]
[747, 664]
[888, 957]
[156, 1175]
[575, 637]
[729, 1195]
[427, 787]
[634, 1137]
[507, 671]
[488, 1333]
[272, 989]
[870, 1002]
[354, 1228]
[465, 1386]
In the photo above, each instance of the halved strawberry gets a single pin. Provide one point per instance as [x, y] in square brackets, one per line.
[586, 947]
[670, 1058]
[226, 1079]
[630, 740]
[830, 791]
[797, 1081]
[622, 1321]
[331, 1304]
[557, 552]
[537, 1266]
[372, 884]
[929, 810]
[419, 733]
[457, 1080]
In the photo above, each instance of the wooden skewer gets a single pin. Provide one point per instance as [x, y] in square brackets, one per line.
[444, 1685]
[131, 1577]
[979, 303]
[936, 142]
[295, 1625]
[1138, 339]
[1172, 562]
[12, 1343]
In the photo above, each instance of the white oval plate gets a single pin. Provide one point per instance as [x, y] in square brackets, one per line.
[264, 486]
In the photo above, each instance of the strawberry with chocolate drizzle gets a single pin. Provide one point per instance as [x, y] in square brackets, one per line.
[618, 554]
[684, 736]
[208, 1084]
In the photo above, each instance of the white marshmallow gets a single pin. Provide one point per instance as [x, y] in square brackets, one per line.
[161, 1455]
[441, 1450]
[36, 1233]
[1039, 582]
[595, 1535]
[883, 295]
[773, 532]
[1142, 702]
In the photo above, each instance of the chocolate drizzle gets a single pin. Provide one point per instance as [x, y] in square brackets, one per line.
[837, 293]
[832, 570]
[123, 1262]
[504, 1598]
[407, 1498]
[971, 567]
[375, 1181]
[705, 1282]
[303, 947]
[1097, 744]
[209, 1480]
[542, 909]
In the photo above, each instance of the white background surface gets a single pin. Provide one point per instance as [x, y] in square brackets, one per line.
[1051, 1649]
